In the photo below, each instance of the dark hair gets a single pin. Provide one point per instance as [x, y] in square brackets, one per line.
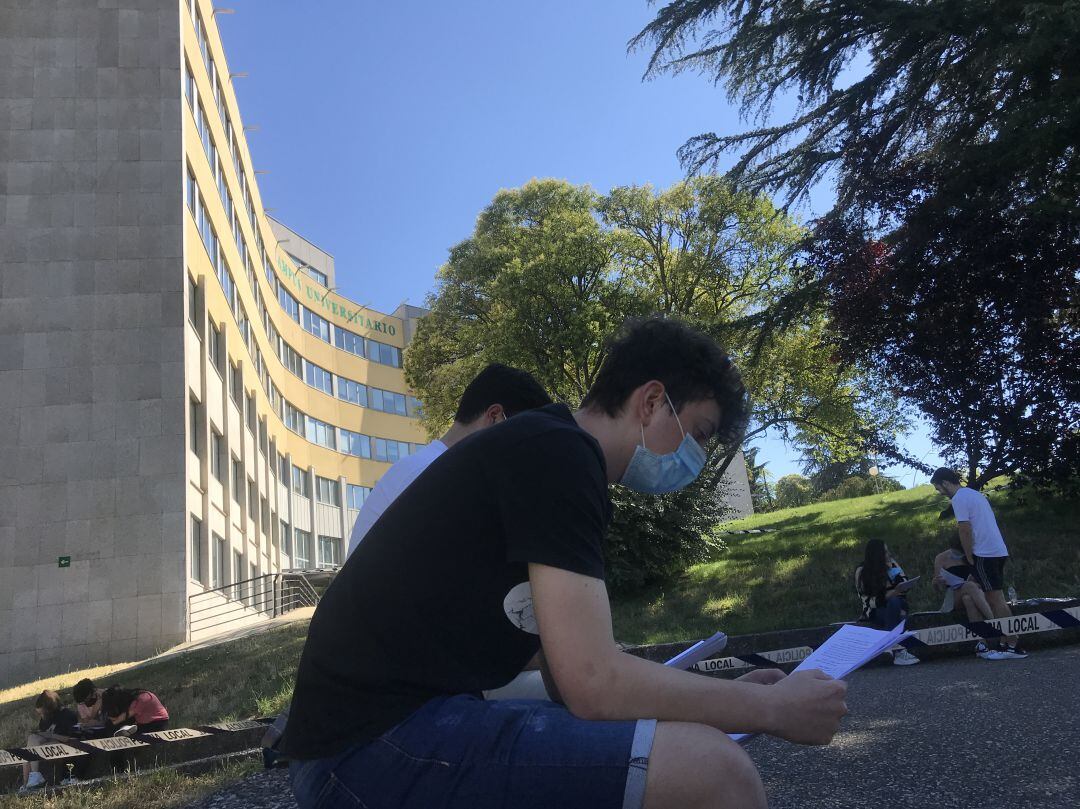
[82, 690]
[945, 475]
[874, 576]
[514, 389]
[117, 700]
[690, 364]
[49, 703]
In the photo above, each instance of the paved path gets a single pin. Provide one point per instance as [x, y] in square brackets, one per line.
[952, 734]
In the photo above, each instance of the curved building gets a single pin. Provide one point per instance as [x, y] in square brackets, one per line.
[186, 404]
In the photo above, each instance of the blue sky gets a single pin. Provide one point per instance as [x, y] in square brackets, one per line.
[386, 128]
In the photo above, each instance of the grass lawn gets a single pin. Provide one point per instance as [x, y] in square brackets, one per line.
[249, 677]
[161, 789]
[802, 575]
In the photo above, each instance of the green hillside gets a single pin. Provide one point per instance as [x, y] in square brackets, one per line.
[801, 573]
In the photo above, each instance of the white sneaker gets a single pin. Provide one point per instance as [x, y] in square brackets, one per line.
[35, 781]
[126, 730]
[902, 657]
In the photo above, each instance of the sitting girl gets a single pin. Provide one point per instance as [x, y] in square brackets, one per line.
[130, 711]
[55, 724]
[885, 606]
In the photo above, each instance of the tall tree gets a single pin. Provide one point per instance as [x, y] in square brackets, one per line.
[950, 132]
[553, 269]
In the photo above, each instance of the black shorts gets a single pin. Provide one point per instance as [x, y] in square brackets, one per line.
[989, 571]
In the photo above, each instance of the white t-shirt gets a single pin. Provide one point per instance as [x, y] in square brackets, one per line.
[973, 507]
[396, 480]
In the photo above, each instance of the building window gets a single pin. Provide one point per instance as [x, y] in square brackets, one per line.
[217, 455]
[193, 303]
[356, 495]
[352, 391]
[318, 276]
[293, 418]
[289, 304]
[217, 567]
[239, 589]
[264, 440]
[329, 551]
[292, 360]
[356, 444]
[301, 484]
[347, 341]
[193, 425]
[283, 470]
[327, 491]
[318, 326]
[303, 548]
[387, 401]
[253, 500]
[251, 416]
[319, 378]
[264, 523]
[238, 482]
[236, 385]
[196, 549]
[390, 451]
[214, 349]
[413, 407]
[321, 433]
[286, 538]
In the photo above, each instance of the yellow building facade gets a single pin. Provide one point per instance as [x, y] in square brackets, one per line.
[297, 401]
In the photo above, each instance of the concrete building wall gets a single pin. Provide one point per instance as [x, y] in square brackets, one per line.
[91, 334]
[734, 489]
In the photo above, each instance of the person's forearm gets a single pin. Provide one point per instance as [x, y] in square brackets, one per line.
[967, 541]
[628, 687]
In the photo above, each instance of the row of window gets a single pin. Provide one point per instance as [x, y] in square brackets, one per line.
[369, 349]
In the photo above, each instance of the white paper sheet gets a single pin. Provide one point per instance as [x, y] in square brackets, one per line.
[954, 582]
[846, 650]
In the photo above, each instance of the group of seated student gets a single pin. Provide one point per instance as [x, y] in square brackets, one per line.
[98, 713]
[489, 562]
[878, 581]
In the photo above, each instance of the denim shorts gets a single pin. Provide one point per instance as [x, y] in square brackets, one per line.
[463, 752]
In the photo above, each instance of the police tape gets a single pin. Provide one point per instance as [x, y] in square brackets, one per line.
[1027, 624]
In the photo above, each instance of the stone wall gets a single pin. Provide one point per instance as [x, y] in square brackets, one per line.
[91, 333]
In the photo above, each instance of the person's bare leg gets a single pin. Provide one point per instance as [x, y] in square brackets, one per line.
[697, 767]
[979, 609]
[33, 740]
[1000, 608]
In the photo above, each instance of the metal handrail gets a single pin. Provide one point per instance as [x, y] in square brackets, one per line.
[271, 594]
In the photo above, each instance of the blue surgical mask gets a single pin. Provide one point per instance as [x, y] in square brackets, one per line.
[650, 473]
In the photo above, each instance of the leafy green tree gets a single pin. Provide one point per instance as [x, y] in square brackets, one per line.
[793, 491]
[949, 131]
[759, 476]
[553, 269]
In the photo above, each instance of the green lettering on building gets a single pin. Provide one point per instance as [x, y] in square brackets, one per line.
[313, 294]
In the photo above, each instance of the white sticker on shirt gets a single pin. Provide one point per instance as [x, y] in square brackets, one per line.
[518, 606]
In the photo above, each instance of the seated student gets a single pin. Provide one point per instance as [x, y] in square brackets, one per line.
[495, 553]
[876, 580]
[133, 710]
[55, 723]
[87, 698]
[970, 593]
[496, 393]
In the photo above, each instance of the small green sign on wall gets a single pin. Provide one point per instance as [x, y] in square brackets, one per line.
[63, 561]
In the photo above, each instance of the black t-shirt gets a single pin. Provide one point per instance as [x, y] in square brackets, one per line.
[435, 600]
[63, 723]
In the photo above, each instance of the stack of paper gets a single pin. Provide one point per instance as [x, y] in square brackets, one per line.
[848, 649]
[701, 650]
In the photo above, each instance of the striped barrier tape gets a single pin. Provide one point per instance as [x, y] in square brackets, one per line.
[1026, 624]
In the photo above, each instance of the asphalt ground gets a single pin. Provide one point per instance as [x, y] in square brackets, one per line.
[957, 732]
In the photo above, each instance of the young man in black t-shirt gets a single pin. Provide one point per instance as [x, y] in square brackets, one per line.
[494, 554]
